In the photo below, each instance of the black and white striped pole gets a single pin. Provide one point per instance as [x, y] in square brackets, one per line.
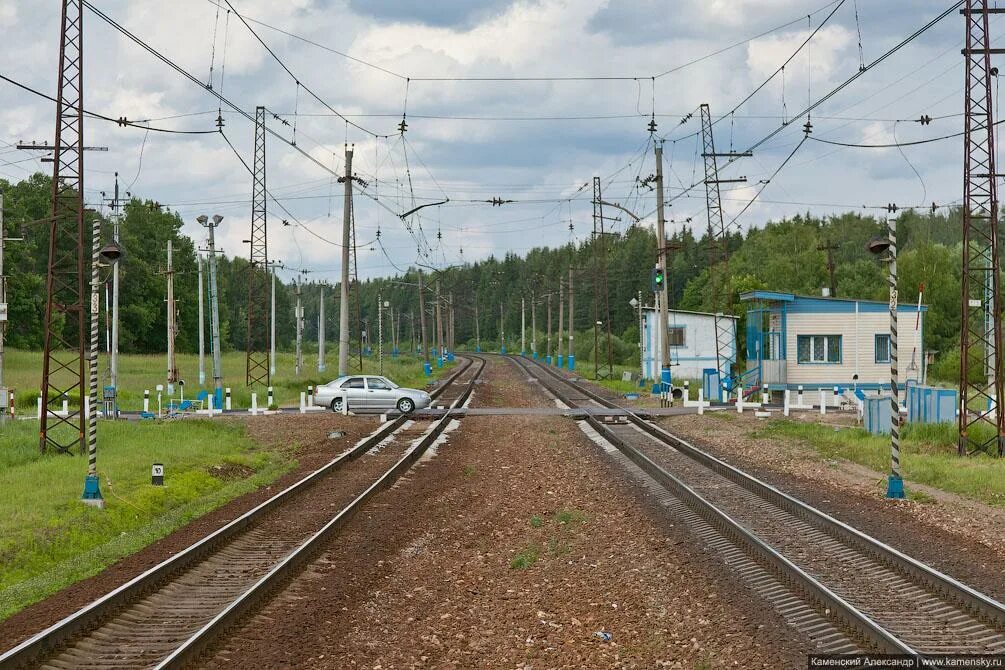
[895, 482]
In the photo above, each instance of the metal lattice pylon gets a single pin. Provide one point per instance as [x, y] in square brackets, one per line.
[718, 251]
[65, 353]
[980, 424]
[258, 271]
[603, 366]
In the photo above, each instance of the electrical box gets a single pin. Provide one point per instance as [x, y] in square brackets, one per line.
[4, 398]
[3, 312]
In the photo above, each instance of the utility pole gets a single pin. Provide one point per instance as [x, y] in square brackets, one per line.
[981, 415]
[113, 367]
[411, 339]
[450, 335]
[830, 248]
[561, 318]
[214, 305]
[895, 482]
[272, 320]
[321, 328]
[4, 410]
[600, 288]
[63, 356]
[663, 327]
[380, 334]
[523, 325]
[422, 319]
[439, 323]
[571, 357]
[300, 330]
[343, 315]
[478, 333]
[92, 406]
[549, 326]
[256, 347]
[502, 330]
[202, 326]
[533, 324]
[172, 330]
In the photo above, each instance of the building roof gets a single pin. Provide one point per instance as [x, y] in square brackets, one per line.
[687, 311]
[837, 303]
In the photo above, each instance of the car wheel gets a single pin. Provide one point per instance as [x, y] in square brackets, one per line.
[337, 405]
[406, 406]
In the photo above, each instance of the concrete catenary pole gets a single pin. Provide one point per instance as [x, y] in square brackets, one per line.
[548, 354]
[272, 324]
[380, 334]
[533, 324]
[113, 366]
[3, 320]
[895, 483]
[561, 319]
[422, 319]
[321, 328]
[502, 330]
[439, 323]
[343, 313]
[300, 331]
[478, 332]
[523, 326]
[214, 309]
[571, 357]
[202, 326]
[172, 330]
[661, 255]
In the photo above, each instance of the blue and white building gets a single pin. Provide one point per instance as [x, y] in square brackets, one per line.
[691, 338]
[820, 342]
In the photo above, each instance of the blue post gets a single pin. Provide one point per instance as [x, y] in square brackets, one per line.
[92, 492]
[218, 399]
[439, 362]
[478, 349]
[572, 361]
[502, 350]
[561, 360]
[427, 368]
[450, 356]
[665, 379]
[394, 353]
[535, 355]
[547, 359]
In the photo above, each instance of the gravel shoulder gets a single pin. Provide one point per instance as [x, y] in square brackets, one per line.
[958, 536]
[512, 547]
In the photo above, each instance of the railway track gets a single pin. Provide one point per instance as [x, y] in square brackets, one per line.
[169, 614]
[878, 597]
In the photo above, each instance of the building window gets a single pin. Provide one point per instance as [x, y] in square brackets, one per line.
[882, 348]
[675, 337]
[819, 348]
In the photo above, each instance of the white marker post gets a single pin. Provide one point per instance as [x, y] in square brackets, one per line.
[701, 401]
[226, 399]
[146, 400]
[788, 399]
[254, 404]
[823, 402]
[303, 402]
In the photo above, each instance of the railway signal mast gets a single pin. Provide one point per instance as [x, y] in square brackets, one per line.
[981, 423]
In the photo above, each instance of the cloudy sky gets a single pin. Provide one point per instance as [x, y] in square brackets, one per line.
[573, 86]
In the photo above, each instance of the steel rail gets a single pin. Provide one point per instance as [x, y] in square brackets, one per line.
[977, 603]
[195, 644]
[48, 640]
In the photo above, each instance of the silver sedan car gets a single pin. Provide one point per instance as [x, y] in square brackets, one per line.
[370, 393]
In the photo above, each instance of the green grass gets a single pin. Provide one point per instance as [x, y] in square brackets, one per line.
[536, 521]
[928, 456]
[569, 516]
[525, 558]
[49, 539]
[137, 372]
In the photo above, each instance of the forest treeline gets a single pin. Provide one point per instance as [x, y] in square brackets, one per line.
[788, 255]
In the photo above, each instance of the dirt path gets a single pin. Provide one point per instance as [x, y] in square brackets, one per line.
[513, 547]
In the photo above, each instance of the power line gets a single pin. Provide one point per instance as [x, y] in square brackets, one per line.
[121, 121]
